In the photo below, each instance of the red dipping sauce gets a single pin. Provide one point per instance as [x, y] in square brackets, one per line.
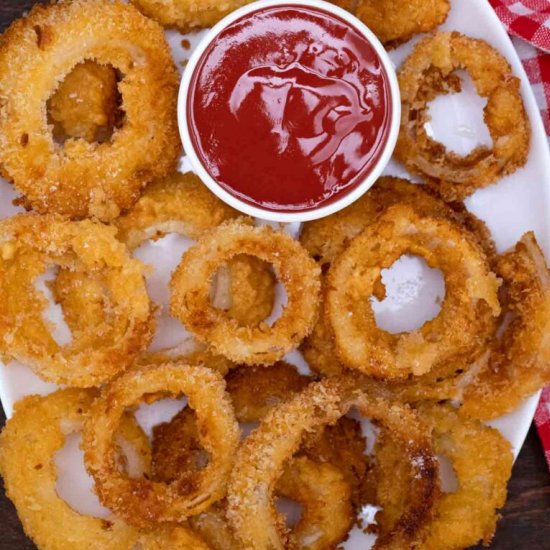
[289, 108]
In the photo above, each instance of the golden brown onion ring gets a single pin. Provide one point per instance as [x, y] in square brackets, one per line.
[396, 21]
[468, 312]
[86, 103]
[29, 244]
[190, 299]
[143, 502]
[429, 71]
[84, 179]
[28, 445]
[519, 363]
[262, 456]
[482, 461]
[328, 237]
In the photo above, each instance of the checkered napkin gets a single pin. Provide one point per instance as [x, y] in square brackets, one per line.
[529, 23]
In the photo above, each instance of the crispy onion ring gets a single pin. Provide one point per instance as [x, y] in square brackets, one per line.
[28, 445]
[429, 71]
[86, 179]
[467, 316]
[190, 300]
[327, 238]
[29, 244]
[262, 456]
[519, 363]
[482, 462]
[86, 103]
[182, 204]
[396, 21]
[142, 502]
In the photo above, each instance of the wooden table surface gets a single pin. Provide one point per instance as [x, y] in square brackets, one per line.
[525, 523]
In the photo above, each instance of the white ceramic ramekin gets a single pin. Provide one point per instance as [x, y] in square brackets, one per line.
[323, 210]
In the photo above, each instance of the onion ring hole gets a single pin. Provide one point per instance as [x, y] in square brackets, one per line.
[456, 118]
[410, 293]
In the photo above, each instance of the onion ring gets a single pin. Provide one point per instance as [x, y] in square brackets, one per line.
[190, 301]
[142, 502]
[86, 103]
[86, 179]
[396, 21]
[429, 71]
[467, 316]
[482, 462]
[263, 454]
[327, 238]
[28, 245]
[28, 445]
[519, 363]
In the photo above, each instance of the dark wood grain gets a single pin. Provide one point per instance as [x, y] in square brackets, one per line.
[525, 522]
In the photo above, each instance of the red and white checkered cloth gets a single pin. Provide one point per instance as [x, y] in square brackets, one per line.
[526, 19]
[529, 23]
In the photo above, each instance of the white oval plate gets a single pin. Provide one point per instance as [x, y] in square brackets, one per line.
[518, 203]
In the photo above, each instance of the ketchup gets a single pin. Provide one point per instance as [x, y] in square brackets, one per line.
[289, 108]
